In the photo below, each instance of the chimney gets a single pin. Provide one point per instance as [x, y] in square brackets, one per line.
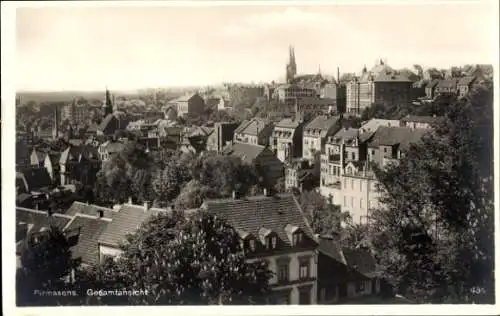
[338, 75]
[267, 192]
[49, 212]
[146, 206]
[130, 200]
[235, 195]
[101, 213]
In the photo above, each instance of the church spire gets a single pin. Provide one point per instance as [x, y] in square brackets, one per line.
[108, 104]
[291, 68]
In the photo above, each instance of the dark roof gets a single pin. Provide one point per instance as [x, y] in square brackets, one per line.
[40, 219]
[254, 215]
[255, 126]
[390, 136]
[126, 221]
[448, 83]
[36, 178]
[40, 154]
[242, 126]
[89, 229]
[466, 80]
[246, 152]
[346, 133]
[432, 84]
[288, 123]
[385, 77]
[76, 153]
[360, 260]
[331, 248]
[322, 122]
[89, 209]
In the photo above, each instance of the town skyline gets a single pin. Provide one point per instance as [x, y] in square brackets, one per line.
[250, 45]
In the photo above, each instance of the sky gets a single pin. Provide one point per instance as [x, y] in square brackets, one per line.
[88, 48]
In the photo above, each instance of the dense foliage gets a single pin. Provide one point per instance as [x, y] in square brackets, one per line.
[434, 237]
[183, 261]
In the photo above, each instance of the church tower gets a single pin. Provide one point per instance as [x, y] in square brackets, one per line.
[291, 68]
[107, 107]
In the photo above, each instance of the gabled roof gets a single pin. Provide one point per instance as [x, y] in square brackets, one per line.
[40, 219]
[107, 120]
[255, 127]
[331, 248]
[361, 260]
[76, 153]
[345, 134]
[35, 178]
[87, 247]
[288, 123]
[465, 81]
[420, 119]
[89, 209]
[40, 154]
[390, 136]
[242, 126]
[256, 214]
[246, 152]
[432, 84]
[126, 221]
[322, 123]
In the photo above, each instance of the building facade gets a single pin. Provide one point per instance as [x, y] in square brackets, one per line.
[286, 139]
[316, 133]
[255, 132]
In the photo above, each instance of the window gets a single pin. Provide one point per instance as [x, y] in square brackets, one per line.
[251, 243]
[322, 294]
[352, 184]
[345, 200]
[352, 201]
[360, 286]
[297, 238]
[353, 156]
[361, 203]
[283, 272]
[273, 242]
[304, 268]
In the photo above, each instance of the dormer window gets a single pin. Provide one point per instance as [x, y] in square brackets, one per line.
[297, 238]
[274, 242]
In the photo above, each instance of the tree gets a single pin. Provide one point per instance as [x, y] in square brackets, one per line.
[324, 216]
[434, 236]
[45, 261]
[180, 261]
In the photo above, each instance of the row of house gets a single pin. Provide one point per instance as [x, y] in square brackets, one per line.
[307, 268]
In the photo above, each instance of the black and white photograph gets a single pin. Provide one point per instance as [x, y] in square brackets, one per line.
[250, 153]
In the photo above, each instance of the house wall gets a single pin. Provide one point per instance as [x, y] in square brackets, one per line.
[310, 143]
[294, 275]
[358, 195]
[390, 93]
[353, 289]
[195, 105]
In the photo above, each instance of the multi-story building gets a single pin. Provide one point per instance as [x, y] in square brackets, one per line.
[109, 148]
[221, 136]
[309, 107]
[316, 133]
[374, 123]
[301, 175]
[255, 132]
[273, 228]
[421, 122]
[286, 139]
[79, 165]
[287, 93]
[430, 88]
[380, 85]
[464, 85]
[188, 104]
[447, 86]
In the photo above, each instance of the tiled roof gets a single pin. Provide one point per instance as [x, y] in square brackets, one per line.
[346, 133]
[331, 248]
[360, 260]
[36, 178]
[466, 80]
[432, 84]
[89, 229]
[420, 119]
[126, 221]
[384, 77]
[256, 126]
[246, 152]
[242, 126]
[253, 215]
[390, 136]
[322, 123]
[40, 219]
[288, 123]
[104, 124]
[89, 209]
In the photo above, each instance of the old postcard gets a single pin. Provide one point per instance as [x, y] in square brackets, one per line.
[228, 154]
